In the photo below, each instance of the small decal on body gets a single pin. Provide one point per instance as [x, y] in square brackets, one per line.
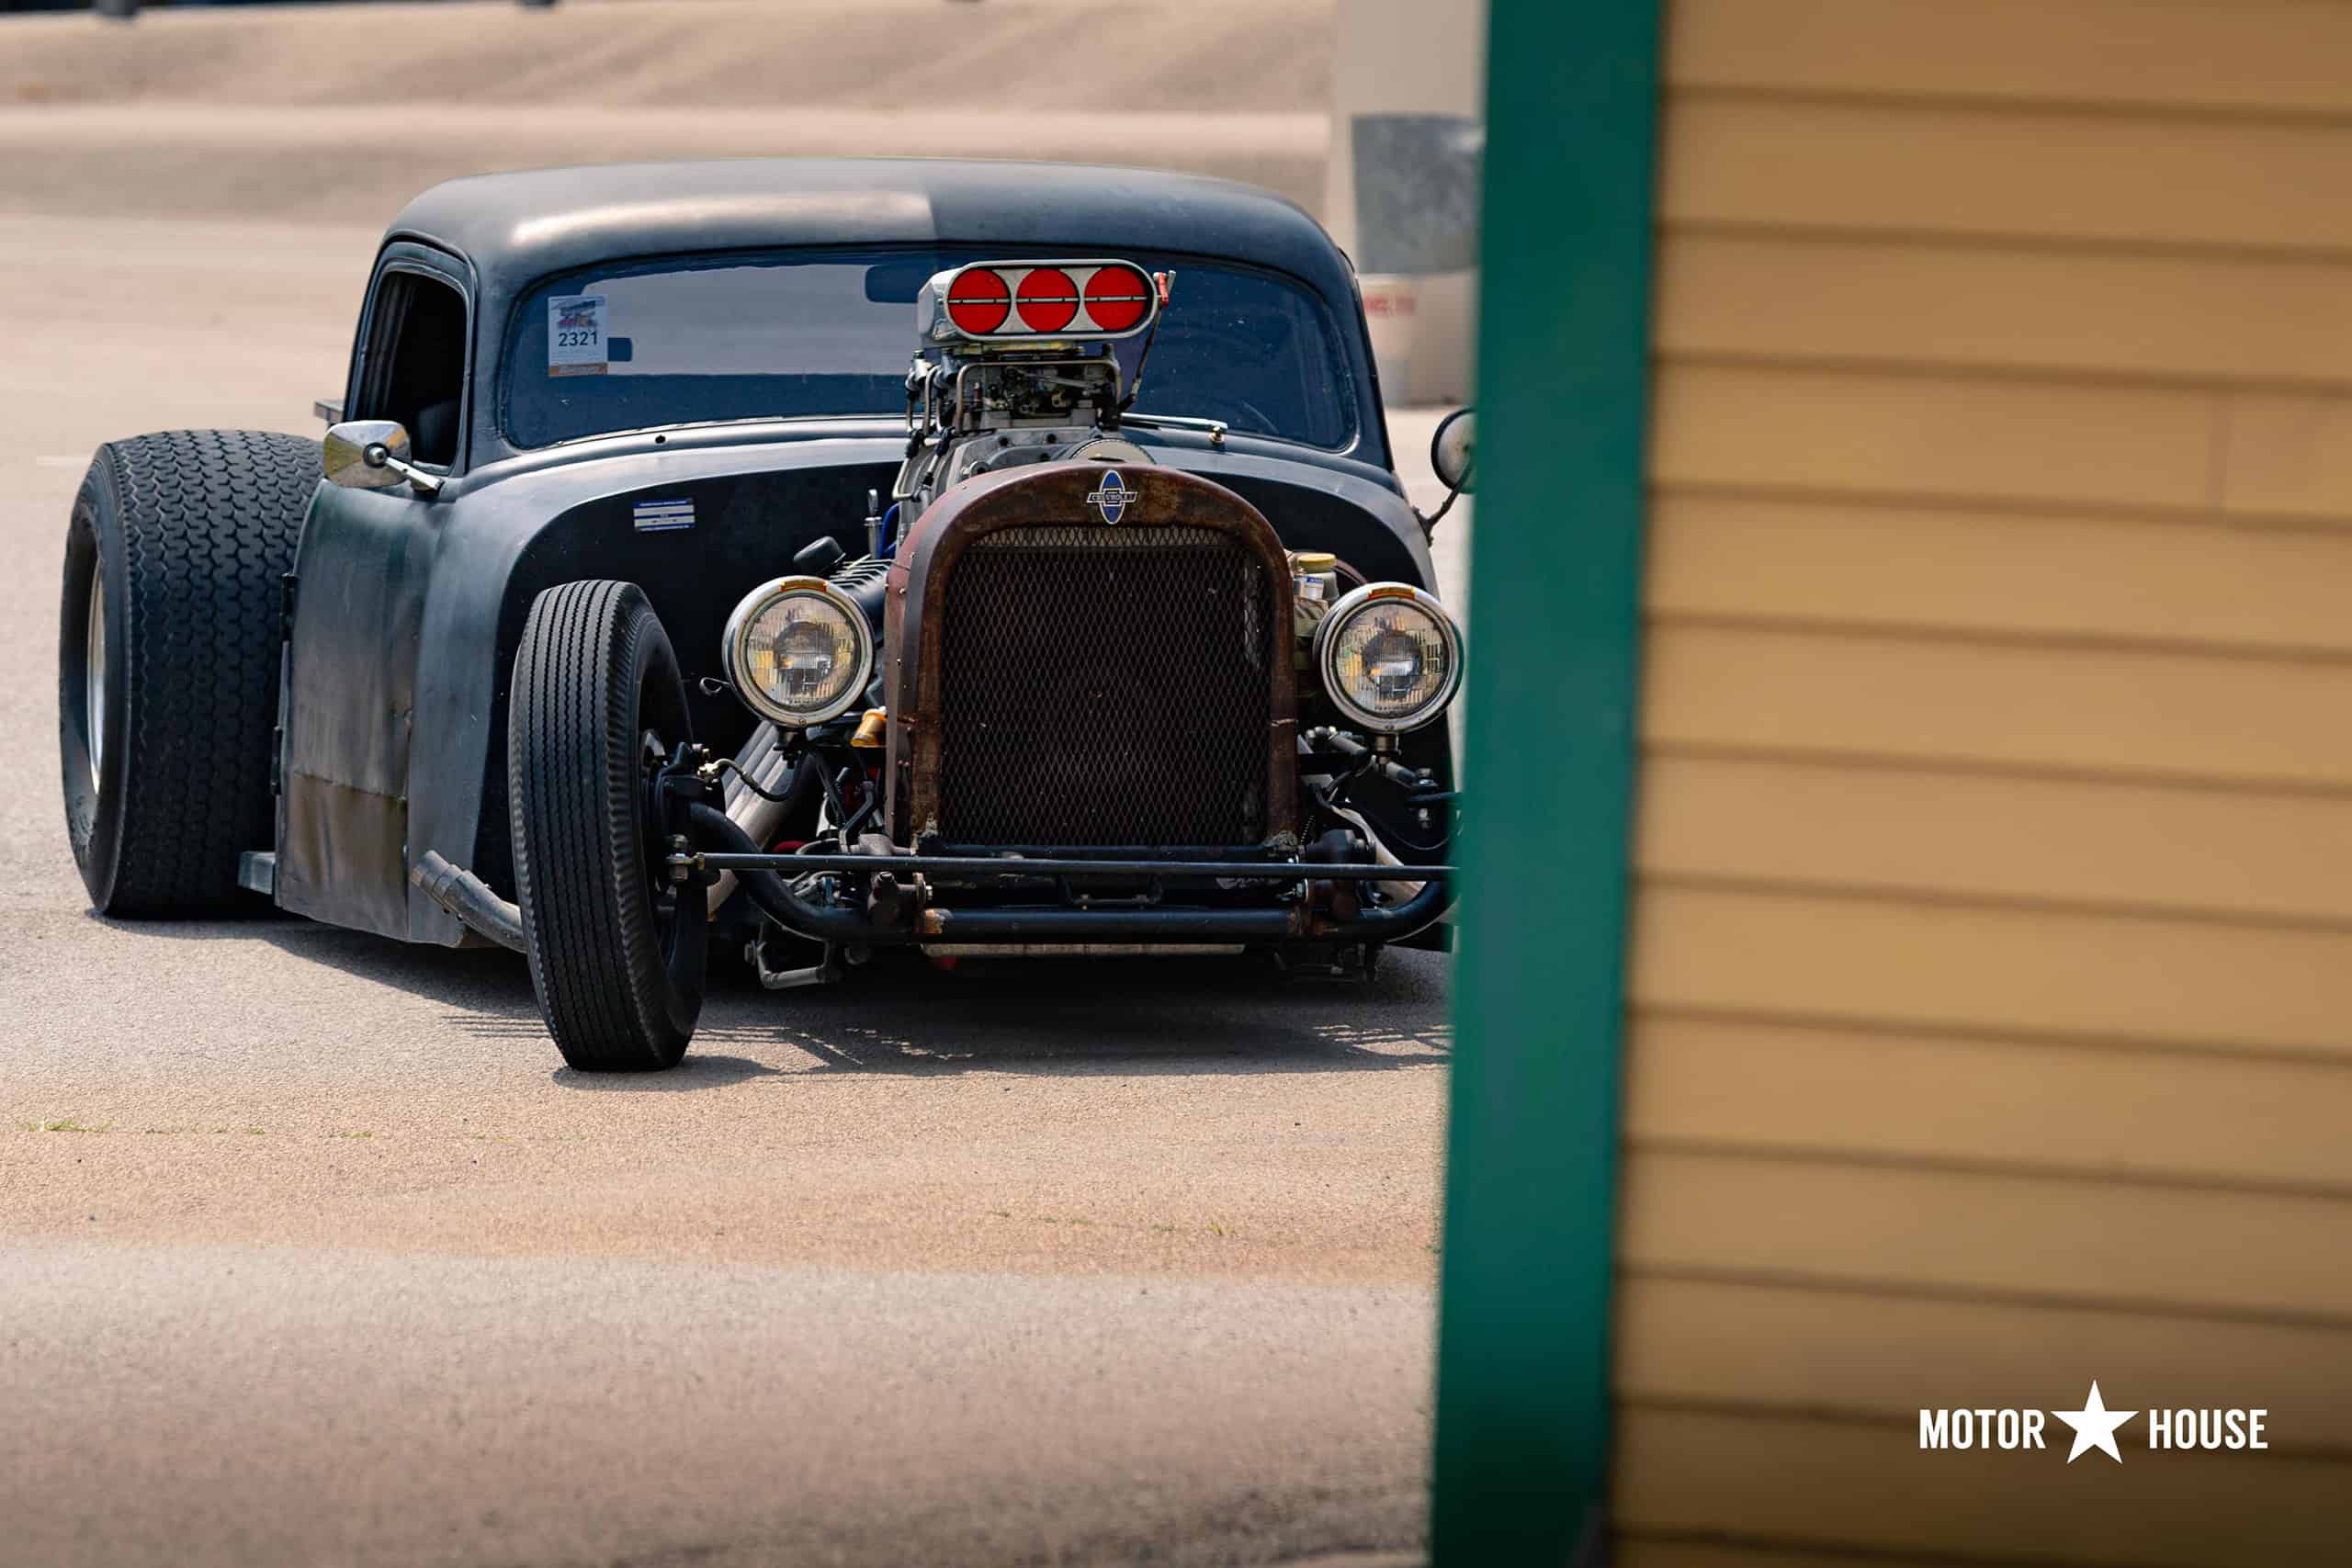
[661, 516]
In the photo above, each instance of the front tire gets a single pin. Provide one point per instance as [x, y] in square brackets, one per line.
[167, 662]
[616, 952]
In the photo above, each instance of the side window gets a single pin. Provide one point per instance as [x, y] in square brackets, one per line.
[416, 363]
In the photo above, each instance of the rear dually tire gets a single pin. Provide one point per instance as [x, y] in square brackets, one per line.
[169, 630]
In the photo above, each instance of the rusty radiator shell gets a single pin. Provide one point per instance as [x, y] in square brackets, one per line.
[1056, 494]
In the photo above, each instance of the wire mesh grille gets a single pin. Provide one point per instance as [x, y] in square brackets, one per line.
[1106, 687]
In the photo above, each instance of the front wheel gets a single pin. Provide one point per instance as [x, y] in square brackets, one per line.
[616, 951]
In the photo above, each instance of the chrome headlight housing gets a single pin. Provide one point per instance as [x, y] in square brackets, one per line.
[799, 651]
[1389, 656]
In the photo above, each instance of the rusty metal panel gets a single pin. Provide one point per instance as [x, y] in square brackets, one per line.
[1055, 495]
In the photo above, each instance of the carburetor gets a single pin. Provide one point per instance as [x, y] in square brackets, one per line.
[1015, 366]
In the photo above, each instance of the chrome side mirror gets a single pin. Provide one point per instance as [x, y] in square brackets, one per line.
[372, 454]
[1453, 450]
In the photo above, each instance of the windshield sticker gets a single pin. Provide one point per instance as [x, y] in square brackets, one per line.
[576, 335]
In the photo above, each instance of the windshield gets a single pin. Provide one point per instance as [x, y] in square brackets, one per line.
[800, 333]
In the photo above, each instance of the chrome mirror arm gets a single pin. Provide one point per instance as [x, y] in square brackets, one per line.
[425, 484]
[372, 454]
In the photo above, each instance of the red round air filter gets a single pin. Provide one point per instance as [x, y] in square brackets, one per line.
[978, 302]
[1116, 297]
[1049, 300]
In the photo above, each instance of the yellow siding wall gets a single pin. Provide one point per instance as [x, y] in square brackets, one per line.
[1992, 977]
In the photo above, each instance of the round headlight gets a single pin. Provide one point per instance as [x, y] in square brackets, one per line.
[797, 652]
[1389, 655]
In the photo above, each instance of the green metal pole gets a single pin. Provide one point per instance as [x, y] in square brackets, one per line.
[1522, 1405]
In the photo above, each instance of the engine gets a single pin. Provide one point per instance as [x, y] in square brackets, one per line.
[1017, 368]
[1057, 646]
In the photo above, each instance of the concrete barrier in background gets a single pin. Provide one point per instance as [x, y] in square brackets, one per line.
[1401, 187]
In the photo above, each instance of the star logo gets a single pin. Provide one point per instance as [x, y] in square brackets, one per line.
[2095, 1426]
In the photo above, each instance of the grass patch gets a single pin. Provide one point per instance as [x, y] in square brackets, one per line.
[66, 1124]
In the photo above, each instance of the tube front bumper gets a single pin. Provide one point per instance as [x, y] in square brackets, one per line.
[899, 903]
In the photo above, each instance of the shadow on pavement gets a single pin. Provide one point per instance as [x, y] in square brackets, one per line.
[901, 1014]
[698, 1071]
[487, 980]
[1070, 1018]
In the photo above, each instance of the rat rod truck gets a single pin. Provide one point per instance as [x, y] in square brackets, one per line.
[793, 558]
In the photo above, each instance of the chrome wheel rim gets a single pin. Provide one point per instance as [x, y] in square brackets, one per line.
[94, 676]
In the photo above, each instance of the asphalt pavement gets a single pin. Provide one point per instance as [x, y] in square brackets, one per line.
[336, 113]
[310, 1251]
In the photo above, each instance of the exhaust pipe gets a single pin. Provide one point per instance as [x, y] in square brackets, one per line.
[763, 760]
[468, 898]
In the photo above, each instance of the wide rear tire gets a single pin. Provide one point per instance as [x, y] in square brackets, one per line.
[616, 952]
[167, 662]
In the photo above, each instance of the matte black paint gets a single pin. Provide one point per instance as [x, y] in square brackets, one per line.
[408, 610]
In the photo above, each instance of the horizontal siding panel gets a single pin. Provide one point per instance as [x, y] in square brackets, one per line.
[1790, 1479]
[2113, 1245]
[2260, 721]
[1967, 439]
[1991, 977]
[2289, 454]
[1968, 171]
[2181, 316]
[2048, 573]
[1841, 1352]
[1795, 957]
[1897, 830]
[2223, 54]
[1881, 1094]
